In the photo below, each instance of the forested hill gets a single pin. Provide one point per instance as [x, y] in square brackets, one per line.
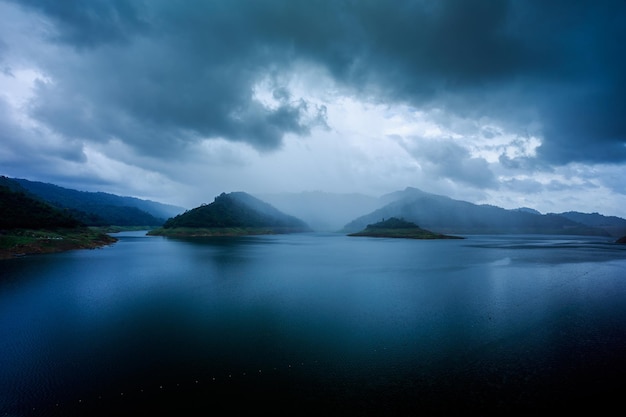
[19, 211]
[96, 208]
[237, 210]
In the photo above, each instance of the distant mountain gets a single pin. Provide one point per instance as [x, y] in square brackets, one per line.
[19, 211]
[97, 208]
[324, 212]
[235, 213]
[615, 226]
[445, 215]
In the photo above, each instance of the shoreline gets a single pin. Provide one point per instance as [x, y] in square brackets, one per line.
[25, 242]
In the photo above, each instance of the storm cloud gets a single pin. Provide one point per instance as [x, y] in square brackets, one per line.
[162, 77]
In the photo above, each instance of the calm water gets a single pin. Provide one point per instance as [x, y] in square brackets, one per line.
[314, 323]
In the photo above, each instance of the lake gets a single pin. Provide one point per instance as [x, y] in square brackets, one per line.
[315, 324]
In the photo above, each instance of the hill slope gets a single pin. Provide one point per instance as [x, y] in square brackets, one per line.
[446, 215]
[29, 226]
[98, 208]
[19, 211]
[235, 213]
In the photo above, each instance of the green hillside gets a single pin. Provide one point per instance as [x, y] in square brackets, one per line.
[96, 208]
[236, 213]
[18, 211]
[30, 226]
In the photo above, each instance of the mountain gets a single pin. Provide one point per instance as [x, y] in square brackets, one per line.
[97, 208]
[445, 215]
[233, 214]
[324, 212]
[615, 226]
[19, 211]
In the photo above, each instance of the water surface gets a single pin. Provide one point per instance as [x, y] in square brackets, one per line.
[314, 323]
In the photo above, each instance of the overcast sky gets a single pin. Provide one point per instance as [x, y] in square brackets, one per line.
[512, 103]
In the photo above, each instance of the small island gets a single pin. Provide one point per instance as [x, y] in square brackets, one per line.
[621, 240]
[399, 228]
[233, 214]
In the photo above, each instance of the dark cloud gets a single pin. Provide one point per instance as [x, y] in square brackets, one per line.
[32, 150]
[159, 74]
[558, 64]
[93, 22]
[446, 159]
[180, 74]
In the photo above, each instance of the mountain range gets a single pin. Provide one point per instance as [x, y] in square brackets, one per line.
[328, 212]
[349, 213]
[446, 215]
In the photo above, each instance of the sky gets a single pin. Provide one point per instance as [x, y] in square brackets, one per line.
[504, 102]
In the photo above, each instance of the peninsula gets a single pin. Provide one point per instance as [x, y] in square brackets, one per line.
[399, 228]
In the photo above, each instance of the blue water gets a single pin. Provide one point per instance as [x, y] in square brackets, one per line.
[314, 324]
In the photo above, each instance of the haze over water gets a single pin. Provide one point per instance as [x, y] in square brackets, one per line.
[314, 323]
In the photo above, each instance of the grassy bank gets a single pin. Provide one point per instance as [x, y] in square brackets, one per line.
[20, 242]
